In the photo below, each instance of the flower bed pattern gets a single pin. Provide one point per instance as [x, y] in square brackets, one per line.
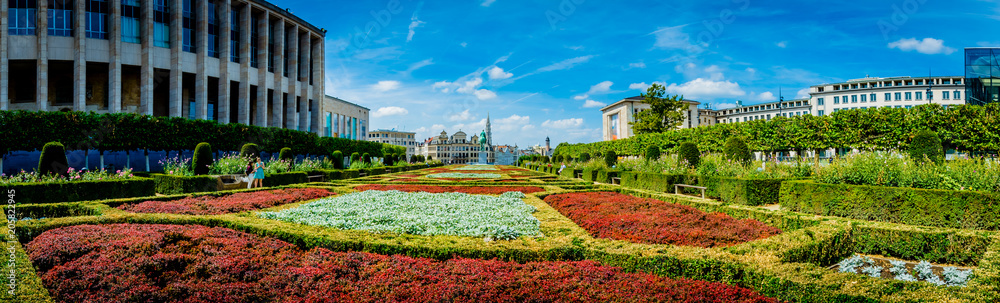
[475, 190]
[505, 217]
[477, 168]
[623, 217]
[452, 176]
[234, 203]
[172, 263]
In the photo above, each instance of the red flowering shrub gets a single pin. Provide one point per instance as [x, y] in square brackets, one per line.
[624, 217]
[173, 263]
[477, 190]
[234, 203]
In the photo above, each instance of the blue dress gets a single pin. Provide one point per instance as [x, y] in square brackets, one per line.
[260, 173]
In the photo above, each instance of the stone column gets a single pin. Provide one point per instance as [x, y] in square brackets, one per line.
[4, 60]
[79, 57]
[319, 84]
[115, 65]
[42, 32]
[279, 72]
[176, 73]
[293, 105]
[305, 51]
[245, 55]
[262, 36]
[201, 51]
[146, 81]
[224, 11]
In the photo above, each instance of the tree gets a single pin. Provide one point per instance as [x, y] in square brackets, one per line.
[738, 151]
[926, 146]
[688, 151]
[665, 113]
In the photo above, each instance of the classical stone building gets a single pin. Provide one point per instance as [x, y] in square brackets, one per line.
[233, 61]
[398, 138]
[456, 149]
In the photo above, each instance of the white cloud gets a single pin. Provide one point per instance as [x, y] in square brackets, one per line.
[928, 46]
[580, 97]
[566, 64]
[390, 111]
[414, 24]
[487, 3]
[706, 89]
[782, 44]
[563, 124]
[485, 94]
[497, 73]
[463, 116]
[443, 86]
[637, 65]
[674, 38]
[464, 44]
[765, 96]
[384, 86]
[802, 94]
[602, 87]
[639, 86]
[470, 86]
[593, 104]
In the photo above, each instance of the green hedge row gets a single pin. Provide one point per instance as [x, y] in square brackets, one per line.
[30, 130]
[604, 176]
[33, 193]
[655, 182]
[285, 179]
[172, 185]
[939, 208]
[752, 192]
[589, 175]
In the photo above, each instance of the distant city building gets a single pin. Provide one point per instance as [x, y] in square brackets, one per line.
[895, 92]
[764, 111]
[398, 138]
[344, 119]
[619, 116]
[982, 75]
[456, 149]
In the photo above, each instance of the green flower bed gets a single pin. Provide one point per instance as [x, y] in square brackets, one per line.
[505, 217]
[464, 176]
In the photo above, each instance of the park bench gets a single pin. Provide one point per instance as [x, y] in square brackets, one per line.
[317, 178]
[677, 189]
[616, 180]
[578, 175]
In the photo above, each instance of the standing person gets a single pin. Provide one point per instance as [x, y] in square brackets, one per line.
[249, 172]
[259, 174]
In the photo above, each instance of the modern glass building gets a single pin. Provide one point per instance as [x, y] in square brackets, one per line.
[982, 75]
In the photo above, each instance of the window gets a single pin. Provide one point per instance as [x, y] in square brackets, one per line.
[819, 101]
[820, 113]
[888, 96]
[254, 38]
[945, 95]
[920, 96]
[909, 106]
[854, 99]
[60, 14]
[285, 55]
[188, 25]
[234, 41]
[956, 95]
[836, 99]
[872, 97]
[909, 96]
[131, 14]
[864, 98]
[945, 81]
[213, 30]
[22, 17]
[899, 96]
[270, 47]
[899, 106]
[161, 23]
[97, 19]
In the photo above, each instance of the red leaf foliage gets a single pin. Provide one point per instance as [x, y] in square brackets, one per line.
[475, 190]
[174, 263]
[234, 203]
[624, 217]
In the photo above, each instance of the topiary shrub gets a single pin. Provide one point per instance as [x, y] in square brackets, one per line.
[737, 150]
[355, 157]
[285, 154]
[584, 157]
[927, 145]
[652, 153]
[610, 159]
[338, 159]
[202, 159]
[366, 157]
[250, 150]
[53, 160]
[389, 159]
[689, 152]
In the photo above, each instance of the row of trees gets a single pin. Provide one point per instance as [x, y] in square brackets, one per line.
[968, 128]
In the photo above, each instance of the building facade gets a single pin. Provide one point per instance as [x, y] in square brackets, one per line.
[618, 117]
[895, 92]
[398, 138]
[232, 61]
[456, 149]
[765, 111]
[344, 119]
[982, 75]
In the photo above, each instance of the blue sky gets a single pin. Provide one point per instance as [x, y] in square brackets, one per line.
[545, 68]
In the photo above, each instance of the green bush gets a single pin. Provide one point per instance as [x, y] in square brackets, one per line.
[367, 158]
[589, 174]
[737, 150]
[923, 207]
[927, 144]
[273, 180]
[250, 150]
[652, 153]
[610, 159]
[53, 159]
[689, 152]
[172, 185]
[286, 154]
[202, 161]
[355, 157]
[338, 159]
[753, 192]
[35, 193]
[604, 175]
[584, 157]
[654, 182]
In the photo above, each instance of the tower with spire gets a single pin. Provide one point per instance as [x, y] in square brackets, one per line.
[489, 134]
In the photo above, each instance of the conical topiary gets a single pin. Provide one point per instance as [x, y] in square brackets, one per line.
[689, 152]
[926, 145]
[53, 159]
[202, 159]
[338, 159]
[737, 150]
[250, 150]
[366, 157]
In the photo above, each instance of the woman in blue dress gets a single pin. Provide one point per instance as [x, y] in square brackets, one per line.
[259, 174]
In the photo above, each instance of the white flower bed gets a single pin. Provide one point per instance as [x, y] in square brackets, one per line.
[464, 176]
[505, 217]
[922, 272]
[478, 168]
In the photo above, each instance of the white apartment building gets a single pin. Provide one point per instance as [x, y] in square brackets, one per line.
[765, 111]
[618, 117]
[398, 138]
[895, 92]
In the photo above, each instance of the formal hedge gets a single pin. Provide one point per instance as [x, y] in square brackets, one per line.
[923, 207]
[33, 193]
[604, 176]
[654, 181]
[30, 130]
[172, 185]
[751, 192]
[280, 179]
[570, 173]
[590, 174]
